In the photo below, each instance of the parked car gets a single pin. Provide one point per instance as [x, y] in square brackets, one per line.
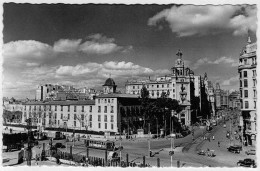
[251, 152]
[247, 163]
[234, 149]
[59, 145]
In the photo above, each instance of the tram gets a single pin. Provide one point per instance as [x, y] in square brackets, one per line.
[100, 144]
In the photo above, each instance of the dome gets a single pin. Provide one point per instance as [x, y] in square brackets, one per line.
[109, 82]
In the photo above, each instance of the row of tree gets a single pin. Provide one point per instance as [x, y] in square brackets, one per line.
[155, 114]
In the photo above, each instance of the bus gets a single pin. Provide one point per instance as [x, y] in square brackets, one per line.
[100, 144]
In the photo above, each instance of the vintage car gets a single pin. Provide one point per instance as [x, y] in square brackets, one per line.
[247, 163]
[201, 152]
[251, 152]
[234, 149]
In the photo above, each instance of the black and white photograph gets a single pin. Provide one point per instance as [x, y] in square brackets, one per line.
[136, 85]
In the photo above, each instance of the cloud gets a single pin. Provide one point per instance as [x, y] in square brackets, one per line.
[221, 60]
[99, 44]
[66, 45]
[229, 81]
[188, 20]
[34, 53]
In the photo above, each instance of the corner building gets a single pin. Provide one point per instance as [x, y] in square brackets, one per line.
[248, 91]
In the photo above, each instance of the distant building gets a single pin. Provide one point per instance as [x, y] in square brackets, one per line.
[234, 100]
[221, 98]
[248, 90]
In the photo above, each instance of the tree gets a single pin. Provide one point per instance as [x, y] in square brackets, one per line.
[145, 103]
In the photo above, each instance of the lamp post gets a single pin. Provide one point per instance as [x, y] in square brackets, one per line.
[157, 126]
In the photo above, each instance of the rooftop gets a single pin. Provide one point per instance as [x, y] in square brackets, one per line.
[63, 103]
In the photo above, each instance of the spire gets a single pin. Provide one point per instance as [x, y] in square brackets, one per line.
[179, 53]
[248, 37]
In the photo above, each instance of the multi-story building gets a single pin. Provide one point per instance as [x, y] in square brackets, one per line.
[248, 90]
[234, 100]
[108, 112]
[221, 97]
[176, 86]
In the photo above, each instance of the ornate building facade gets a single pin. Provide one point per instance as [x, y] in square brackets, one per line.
[178, 85]
[248, 91]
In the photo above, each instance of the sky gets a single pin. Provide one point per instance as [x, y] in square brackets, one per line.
[83, 45]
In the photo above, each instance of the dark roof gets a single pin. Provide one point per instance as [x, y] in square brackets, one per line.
[109, 82]
[117, 95]
[63, 103]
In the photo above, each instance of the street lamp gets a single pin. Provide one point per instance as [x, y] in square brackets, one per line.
[157, 126]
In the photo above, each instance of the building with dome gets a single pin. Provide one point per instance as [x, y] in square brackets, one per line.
[109, 86]
[178, 85]
[248, 91]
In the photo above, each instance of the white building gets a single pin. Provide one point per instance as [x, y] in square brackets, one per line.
[248, 90]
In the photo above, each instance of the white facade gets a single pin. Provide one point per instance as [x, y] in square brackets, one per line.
[248, 89]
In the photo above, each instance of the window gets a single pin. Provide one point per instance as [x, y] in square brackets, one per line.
[40, 108]
[50, 108]
[112, 126]
[245, 61]
[98, 100]
[61, 116]
[133, 87]
[172, 85]
[68, 108]
[99, 109]
[61, 108]
[162, 86]
[112, 118]
[245, 83]
[254, 93]
[152, 85]
[90, 124]
[173, 90]
[75, 123]
[68, 116]
[254, 82]
[90, 108]
[55, 115]
[105, 118]
[254, 104]
[157, 86]
[157, 92]
[240, 74]
[75, 116]
[82, 116]
[30, 107]
[90, 117]
[99, 125]
[82, 110]
[55, 108]
[245, 74]
[246, 93]
[112, 100]
[82, 124]
[99, 118]
[105, 109]
[49, 115]
[58, 122]
[105, 125]
[254, 73]
[112, 109]
[137, 87]
[105, 100]
[44, 115]
[241, 84]
[75, 108]
[108, 100]
[168, 85]
[246, 105]
[24, 107]
[241, 93]
[242, 104]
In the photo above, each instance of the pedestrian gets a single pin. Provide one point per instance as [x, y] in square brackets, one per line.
[218, 144]
[213, 138]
